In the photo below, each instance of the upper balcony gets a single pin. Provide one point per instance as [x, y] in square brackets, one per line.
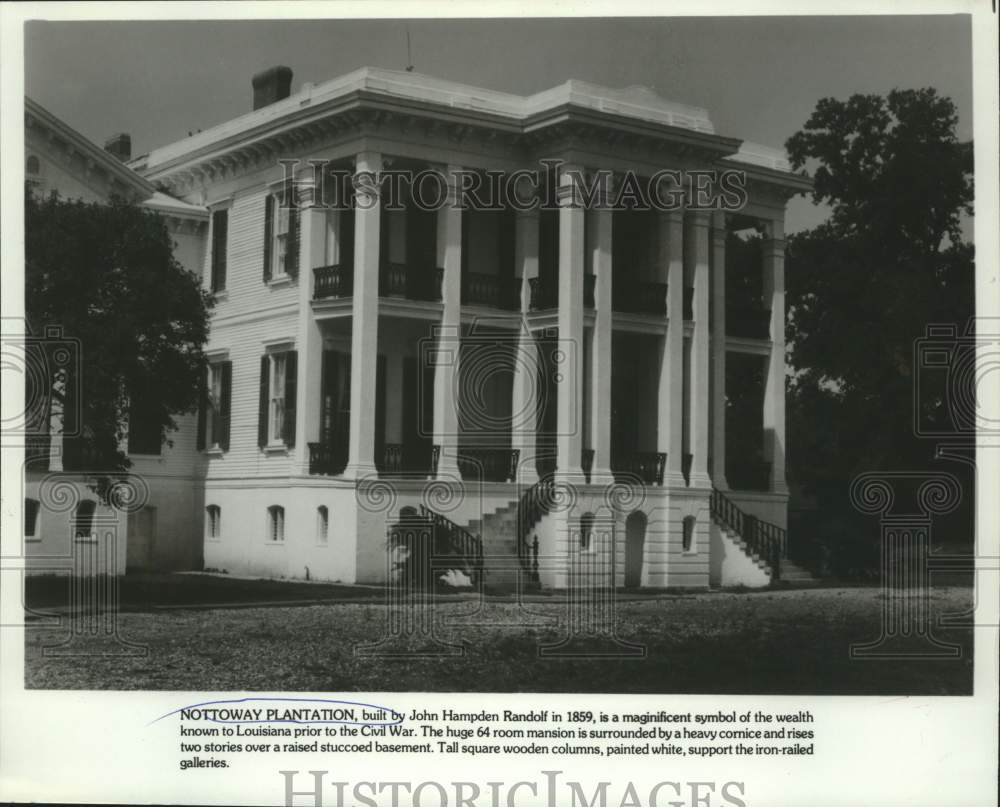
[491, 290]
[545, 292]
[395, 280]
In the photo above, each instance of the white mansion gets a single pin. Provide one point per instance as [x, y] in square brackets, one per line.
[548, 390]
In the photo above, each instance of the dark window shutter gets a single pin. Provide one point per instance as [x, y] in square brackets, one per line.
[268, 234]
[202, 414]
[226, 393]
[220, 233]
[265, 372]
[292, 251]
[291, 385]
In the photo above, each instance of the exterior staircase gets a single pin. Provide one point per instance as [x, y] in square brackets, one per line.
[498, 533]
[764, 543]
[500, 550]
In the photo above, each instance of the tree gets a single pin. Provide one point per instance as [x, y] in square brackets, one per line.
[106, 275]
[864, 285]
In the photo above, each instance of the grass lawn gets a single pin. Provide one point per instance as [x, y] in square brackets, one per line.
[767, 642]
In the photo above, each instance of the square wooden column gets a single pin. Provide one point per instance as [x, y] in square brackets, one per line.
[524, 398]
[718, 381]
[774, 389]
[449, 333]
[699, 404]
[599, 246]
[309, 340]
[569, 366]
[670, 418]
[364, 320]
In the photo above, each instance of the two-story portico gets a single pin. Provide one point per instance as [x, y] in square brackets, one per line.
[550, 384]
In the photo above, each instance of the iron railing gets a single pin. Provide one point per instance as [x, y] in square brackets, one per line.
[488, 464]
[768, 541]
[333, 281]
[535, 502]
[543, 294]
[433, 543]
[490, 290]
[327, 459]
[402, 459]
[649, 466]
[453, 540]
[411, 282]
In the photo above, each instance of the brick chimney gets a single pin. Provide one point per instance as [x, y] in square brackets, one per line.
[271, 85]
[120, 146]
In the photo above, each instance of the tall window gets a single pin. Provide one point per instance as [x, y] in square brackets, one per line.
[276, 523]
[213, 522]
[322, 524]
[83, 518]
[278, 372]
[30, 517]
[280, 246]
[276, 404]
[281, 235]
[220, 239]
[213, 418]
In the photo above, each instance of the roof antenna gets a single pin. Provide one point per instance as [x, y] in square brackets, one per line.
[409, 55]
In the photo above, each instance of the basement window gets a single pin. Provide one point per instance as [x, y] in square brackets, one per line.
[275, 524]
[322, 524]
[30, 517]
[687, 542]
[213, 522]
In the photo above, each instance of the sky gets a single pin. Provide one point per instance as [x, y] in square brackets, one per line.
[758, 77]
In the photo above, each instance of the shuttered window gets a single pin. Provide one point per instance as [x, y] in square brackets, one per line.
[276, 416]
[220, 240]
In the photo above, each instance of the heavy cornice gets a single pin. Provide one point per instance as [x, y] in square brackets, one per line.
[377, 103]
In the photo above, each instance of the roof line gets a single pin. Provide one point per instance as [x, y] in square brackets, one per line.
[112, 164]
